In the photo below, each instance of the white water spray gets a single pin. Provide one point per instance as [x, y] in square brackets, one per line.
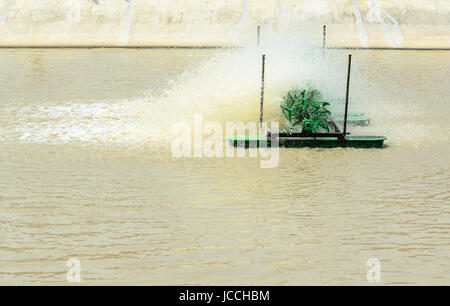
[359, 22]
[5, 12]
[381, 16]
[126, 30]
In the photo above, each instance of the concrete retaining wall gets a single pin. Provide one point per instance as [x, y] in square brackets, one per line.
[422, 23]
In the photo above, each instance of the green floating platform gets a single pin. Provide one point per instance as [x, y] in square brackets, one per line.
[353, 119]
[310, 142]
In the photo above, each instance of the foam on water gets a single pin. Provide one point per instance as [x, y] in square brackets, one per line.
[97, 122]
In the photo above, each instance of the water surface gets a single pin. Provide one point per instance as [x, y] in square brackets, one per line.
[83, 175]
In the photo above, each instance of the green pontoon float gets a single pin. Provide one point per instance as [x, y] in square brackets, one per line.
[310, 124]
[353, 119]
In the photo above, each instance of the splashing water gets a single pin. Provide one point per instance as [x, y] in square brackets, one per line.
[381, 16]
[360, 24]
[225, 88]
[126, 30]
[5, 12]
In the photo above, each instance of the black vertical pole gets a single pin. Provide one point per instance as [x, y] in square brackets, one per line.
[346, 96]
[261, 109]
[258, 35]
[324, 43]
